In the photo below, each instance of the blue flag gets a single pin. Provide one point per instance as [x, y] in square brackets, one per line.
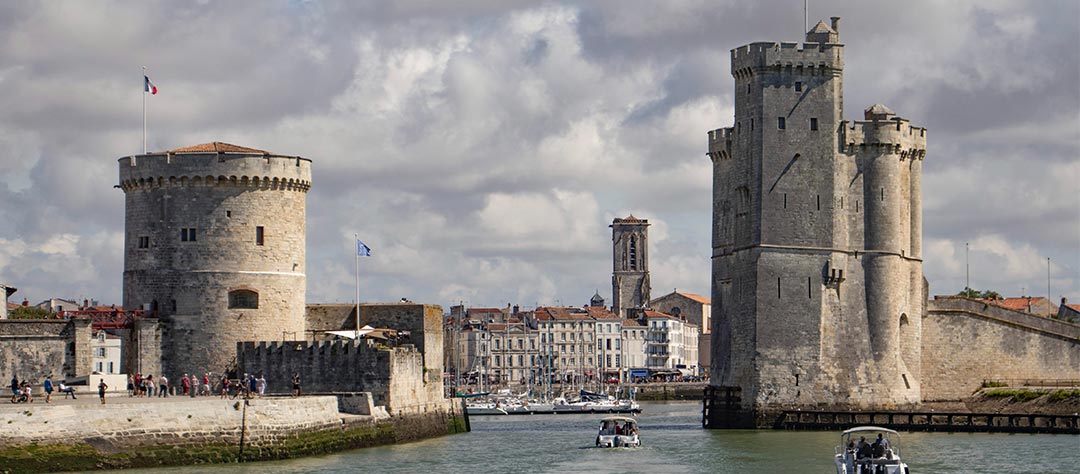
[362, 250]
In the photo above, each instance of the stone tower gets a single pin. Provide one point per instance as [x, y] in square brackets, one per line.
[214, 242]
[630, 277]
[817, 285]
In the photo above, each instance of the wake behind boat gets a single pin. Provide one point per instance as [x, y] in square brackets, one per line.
[879, 455]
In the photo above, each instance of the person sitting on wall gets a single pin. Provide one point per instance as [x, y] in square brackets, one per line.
[66, 390]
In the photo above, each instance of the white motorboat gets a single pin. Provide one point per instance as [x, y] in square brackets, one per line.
[869, 450]
[485, 408]
[618, 432]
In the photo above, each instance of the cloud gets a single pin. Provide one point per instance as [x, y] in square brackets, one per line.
[482, 148]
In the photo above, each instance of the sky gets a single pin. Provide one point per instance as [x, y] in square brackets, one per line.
[482, 148]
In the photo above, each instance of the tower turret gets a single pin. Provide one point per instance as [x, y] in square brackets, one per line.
[630, 286]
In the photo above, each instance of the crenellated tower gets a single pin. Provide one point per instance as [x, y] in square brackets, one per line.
[817, 275]
[214, 244]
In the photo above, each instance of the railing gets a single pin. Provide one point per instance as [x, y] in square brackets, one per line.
[930, 421]
[993, 383]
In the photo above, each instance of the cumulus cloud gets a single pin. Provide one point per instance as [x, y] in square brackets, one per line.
[482, 148]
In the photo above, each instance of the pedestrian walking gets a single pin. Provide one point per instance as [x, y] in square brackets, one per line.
[206, 385]
[185, 384]
[163, 387]
[14, 388]
[261, 385]
[48, 386]
[101, 388]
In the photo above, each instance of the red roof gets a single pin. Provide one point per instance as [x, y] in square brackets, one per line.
[599, 312]
[1020, 304]
[217, 147]
[656, 314]
[632, 322]
[484, 311]
[630, 220]
[696, 297]
[548, 313]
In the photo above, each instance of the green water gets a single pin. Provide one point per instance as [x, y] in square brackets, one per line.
[673, 442]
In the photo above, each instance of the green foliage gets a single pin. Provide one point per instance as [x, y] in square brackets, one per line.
[29, 312]
[979, 295]
[1062, 395]
[1018, 395]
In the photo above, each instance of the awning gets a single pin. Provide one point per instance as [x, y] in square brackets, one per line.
[639, 372]
[352, 334]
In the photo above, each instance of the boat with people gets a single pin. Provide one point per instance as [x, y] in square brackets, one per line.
[618, 432]
[880, 455]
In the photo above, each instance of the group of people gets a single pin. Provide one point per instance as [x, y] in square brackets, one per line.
[147, 386]
[248, 386]
[616, 428]
[878, 449]
[23, 390]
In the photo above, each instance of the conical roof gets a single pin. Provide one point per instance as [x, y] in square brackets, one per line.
[217, 147]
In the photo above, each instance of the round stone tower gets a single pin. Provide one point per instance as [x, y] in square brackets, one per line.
[214, 238]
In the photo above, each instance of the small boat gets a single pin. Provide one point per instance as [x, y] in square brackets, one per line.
[879, 455]
[618, 432]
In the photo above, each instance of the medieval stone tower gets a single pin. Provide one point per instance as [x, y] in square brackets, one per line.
[214, 242]
[630, 256]
[817, 286]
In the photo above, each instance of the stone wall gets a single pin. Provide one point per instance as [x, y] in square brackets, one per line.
[87, 437]
[966, 342]
[394, 376]
[33, 349]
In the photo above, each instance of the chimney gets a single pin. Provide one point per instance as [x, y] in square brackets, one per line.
[836, 24]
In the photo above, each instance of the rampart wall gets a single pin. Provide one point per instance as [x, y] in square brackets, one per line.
[33, 349]
[967, 341]
[86, 437]
[394, 376]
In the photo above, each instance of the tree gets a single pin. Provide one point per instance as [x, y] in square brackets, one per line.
[29, 312]
[979, 295]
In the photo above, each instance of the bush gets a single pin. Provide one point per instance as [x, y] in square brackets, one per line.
[1018, 395]
[1060, 395]
[29, 312]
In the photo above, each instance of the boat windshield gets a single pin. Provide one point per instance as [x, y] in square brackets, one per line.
[871, 442]
[618, 426]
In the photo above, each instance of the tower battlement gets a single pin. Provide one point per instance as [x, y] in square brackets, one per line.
[253, 168]
[806, 59]
[893, 136]
[720, 143]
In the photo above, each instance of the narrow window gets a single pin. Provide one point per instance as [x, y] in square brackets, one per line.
[906, 384]
[798, 86]
[809, 292]
[841, 202]
[785, 200]
[796, 380]
[172, 304]
[228, 213]
[856, 205]
[882, 194]
[738, 128]
[781, 123]
[813, 123]
[747, 87]
[819, 202]
[259, 235]
[187, 234]
[144, 242]
[777, 287]
[183, 235]
[633, 252]
[751, 125]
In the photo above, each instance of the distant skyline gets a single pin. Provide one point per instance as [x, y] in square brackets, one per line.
[482, 148]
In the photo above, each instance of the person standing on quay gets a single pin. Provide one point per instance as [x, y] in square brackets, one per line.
[185, 384]
[131, 386]
[261, 385]
[48, 388]
[14, 388]
[163, 387]
[296, 384]
[101, 388]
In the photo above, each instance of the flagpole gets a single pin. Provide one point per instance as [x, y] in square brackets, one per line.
[144, 111]
[356, 237]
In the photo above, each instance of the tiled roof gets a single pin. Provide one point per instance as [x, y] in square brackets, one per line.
[631, 322]
[601, 313]
[658, 315]
[630, 220]
[484, 311]
[1074, 307]
[559, 314]
[696, 297]
[217, 147]
[1021, 303]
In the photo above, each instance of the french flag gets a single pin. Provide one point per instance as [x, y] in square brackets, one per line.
[149, 86]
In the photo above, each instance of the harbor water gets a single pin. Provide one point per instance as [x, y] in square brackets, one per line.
[672, 442]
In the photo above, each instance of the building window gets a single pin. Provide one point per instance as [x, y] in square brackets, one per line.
[101, 352]
[781, 123]
[228, 213]
[798, 86]
[747, 88]
[633, 252]
[617, 361]
[813, 123]
[97, 367]
[608, 361]
[187, 234]
[243, 299]
[496, 344]
[112, 370]
[144, 242]
[259, 235]
[498, 361]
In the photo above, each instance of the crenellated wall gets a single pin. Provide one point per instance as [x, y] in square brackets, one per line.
[34, 349]
[394, 376]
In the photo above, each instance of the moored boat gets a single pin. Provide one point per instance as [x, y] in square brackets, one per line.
[881, 455]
